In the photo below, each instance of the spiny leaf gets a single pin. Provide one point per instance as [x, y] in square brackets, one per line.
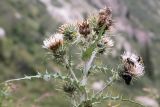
[87, 54]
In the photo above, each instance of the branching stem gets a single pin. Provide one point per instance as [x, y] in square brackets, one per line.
[24, 78]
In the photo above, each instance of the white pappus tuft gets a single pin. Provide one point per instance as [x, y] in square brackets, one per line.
[53, 42]
[108, 41]
[133, 64]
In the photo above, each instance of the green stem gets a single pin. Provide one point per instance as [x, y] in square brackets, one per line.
[108, 84]
[73, 74]
[87, 67]
[69, 65]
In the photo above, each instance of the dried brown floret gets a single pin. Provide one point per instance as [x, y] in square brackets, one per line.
[84, 28]
[104, 20]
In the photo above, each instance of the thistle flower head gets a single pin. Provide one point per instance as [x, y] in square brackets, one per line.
[68, 30]
[104, 19]
[53, 42]
[131, 56]
[108, 42]
[84, 28]
[105, 11]
[133, 66]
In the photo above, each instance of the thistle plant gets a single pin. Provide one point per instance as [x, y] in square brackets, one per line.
[91, 40]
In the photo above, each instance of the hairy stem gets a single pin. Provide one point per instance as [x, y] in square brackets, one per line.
[87, 67]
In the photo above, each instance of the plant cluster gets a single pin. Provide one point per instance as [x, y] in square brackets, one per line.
[90, 37]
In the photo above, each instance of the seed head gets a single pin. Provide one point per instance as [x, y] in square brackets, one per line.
[53, 42]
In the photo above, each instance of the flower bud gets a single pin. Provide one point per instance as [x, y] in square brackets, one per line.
[69, 88]
[68, 30]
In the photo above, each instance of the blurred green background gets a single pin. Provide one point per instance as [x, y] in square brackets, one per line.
[25, 23]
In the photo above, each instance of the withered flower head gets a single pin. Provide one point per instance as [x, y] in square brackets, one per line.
[104, 20]
[53, 42]
[133, 67]
[106, 12]
[68, 30]
[84, 28]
